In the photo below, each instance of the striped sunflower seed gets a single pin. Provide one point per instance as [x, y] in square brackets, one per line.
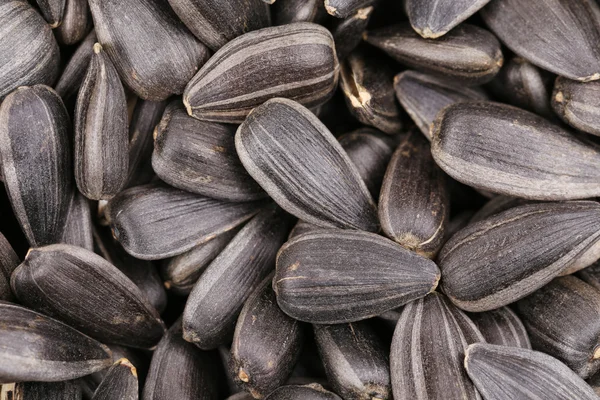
[577, 104]
[52, 11]
[76, 23]
[9, 261]
[290, 11]
[502, 327]
[78, 228]
[76, 69]
[66, 390]
[347, 33]
[345, 8]
[120, 383]
[312, 391]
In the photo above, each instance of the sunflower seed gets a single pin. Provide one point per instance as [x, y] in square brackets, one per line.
[356, 362]
[311, 176]
[120, 383]
[497, 205]
[302, 65]
[27, 41]
[74, 72]
[591, 275]
[502, 327]
[312, 391]
[428, 348]
[423, 96]
[502, 372]
[577, 104]
[36, 161]
[154, 63]
[469, 54]
[8, 262]
[78, 228]
[345, 8]
[290, 11]
[140, 359]
[266, 344]
[53, 11]
[565, 30]
[510, 255]
[67, 390]
[55, 280]
[347, 33]
[321, 276]
[219, 295]
[76, 23]
[39, 348]
[510, 151]
[155, 221]
[302, 227]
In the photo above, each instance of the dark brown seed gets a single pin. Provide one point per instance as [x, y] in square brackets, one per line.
[200, 157]
[312, 391]
[56, 280]
[155, 221]
[302, 227]
[77, 22]
[35, 145]
[8, 262]
[423, 96]
[78, 228]
[502, 372]
[566, 39]
[355, 359]
[120, 383]
[290, 11]
[295, 159]
[414, 207]
[428, 351]
[219, 295]
[39, 348]
[347, 33]
[76, 69]
[66, 390]
[322, 276]
[302, 66]
[27, 41]
[154, 63]
[468, 53]
[216, 22]
[502, 327]
[510, 151]
[345, 8]
[53, 11]
[577, 104]
[266, 344]
[510, 255]
[497, 205]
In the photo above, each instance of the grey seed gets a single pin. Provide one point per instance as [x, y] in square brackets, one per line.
[322, 276]
[181, 273]
[577, 104]
[366, 81]
[414, 206]
[591, 275]
[467, 53]
[78, 228]
[510, 151]
[458, 222]
[566, 39]
[423, 96]
[426, 359]
[154, 63]
[298, 162]
[35, 145]
[66, 390]
[289, 11]
[355, 360]
[8, 262]
[76, 69]
[345, 8]
[179, 370]
[302, 227]
[39, 348]
[370, 151]
[502, 372]
[510, 255]
[433, 18]
[200, 157]
[347, 33]
[217, 299]
[101, 130]
[312, 391]
[266, 343]
[56, 280]
[120, 383]
[53, 11]
[77, 22]
[562, 321]
[155, 221]
[295, 61]
[216, 22]
[497, 205]
[27, 41]
[502, 327]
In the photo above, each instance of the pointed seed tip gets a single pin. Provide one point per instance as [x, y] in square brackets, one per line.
[97, 48]
[128, 364]
[243, 375]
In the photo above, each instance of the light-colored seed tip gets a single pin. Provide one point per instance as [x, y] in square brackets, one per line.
[168, 285]
[330, 10]
[597, 352]
[188, 107]
[363, 13]
[243, 375]
[97, 48]
[128, 364]
[559, 97]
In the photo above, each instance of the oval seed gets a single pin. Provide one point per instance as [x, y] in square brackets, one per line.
[577, 104]
[76, 23]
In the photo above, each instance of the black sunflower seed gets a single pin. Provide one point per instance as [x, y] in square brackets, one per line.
[119, 383]
[345, 8]
[347, 33]
[53, 11]
[577, 104]
[502, 327]
[76, 23]
[76, 69]
[78, 228]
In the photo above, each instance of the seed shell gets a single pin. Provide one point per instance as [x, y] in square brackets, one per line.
[120, 383]
[53, 11]
[497, 205]
[345, 8]
[76, 23]
[66, 390]
[347, 33]
[78, 228]
[591, 275]
[577, 104]
[302, 227]
[8, 262]
[502, 327]
[312, 391]
[290, 11]
[76, 69]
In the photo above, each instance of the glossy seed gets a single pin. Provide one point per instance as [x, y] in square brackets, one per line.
[290, 11]
[303, 67]
[27, 41]
[347, 33]
[154, 63]
[200, 157]
[322, 276]
[66, 390]
[39, 348]
[311, 391]
[219, 295]
[120, 383]
[566, 39]
[55, 280]
[76, 23]
[414, 207]
[577, 104]
[502, 327]
[155, 221]
[509, 255]
[433, 18]
[510, 151]
[423, 96]
[302, 227]
[355, 360]
[468, 53]
[266, 343]
[78, 228]
[298, 162]
[502, 372]
[216, 22]
[35, 146]
[53, 11]
[8, 262]
[426, 359]
[345, 8]
[76, 69]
